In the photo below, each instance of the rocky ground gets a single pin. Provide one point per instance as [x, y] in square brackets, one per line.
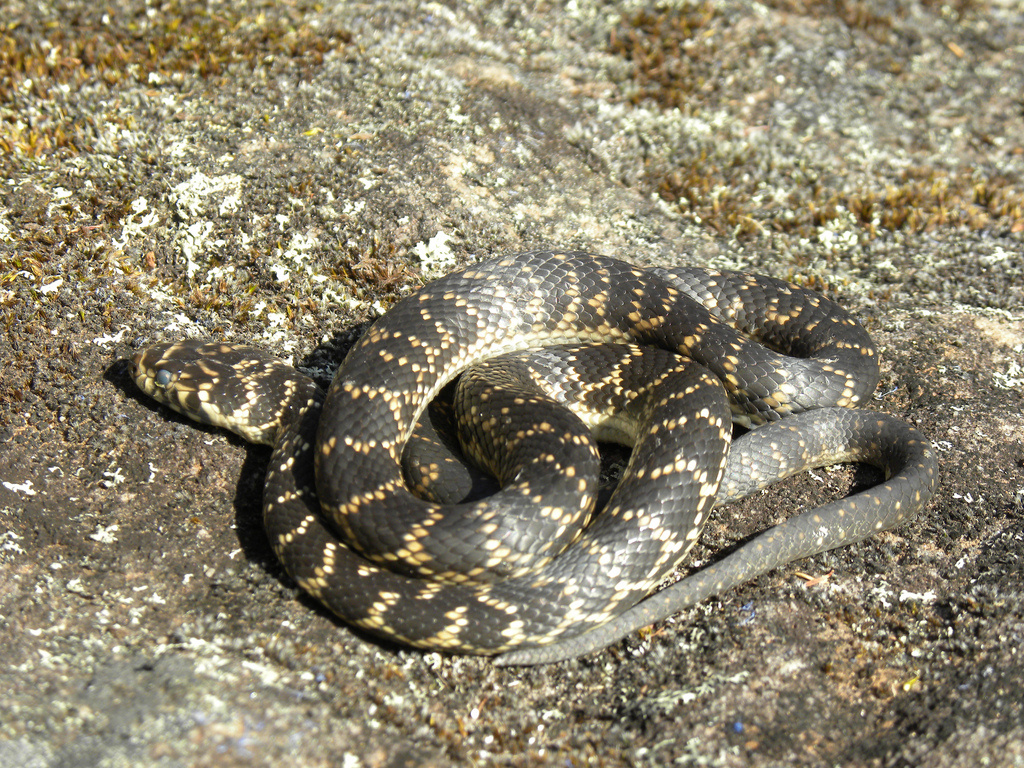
[278, 173]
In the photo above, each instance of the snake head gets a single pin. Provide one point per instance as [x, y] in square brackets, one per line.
[227, 385]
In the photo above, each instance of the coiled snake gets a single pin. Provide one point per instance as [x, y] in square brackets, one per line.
[666, 359]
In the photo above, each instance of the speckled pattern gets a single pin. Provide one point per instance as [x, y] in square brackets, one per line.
[459, 577]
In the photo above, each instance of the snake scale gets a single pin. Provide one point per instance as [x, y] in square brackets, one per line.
[666, 360]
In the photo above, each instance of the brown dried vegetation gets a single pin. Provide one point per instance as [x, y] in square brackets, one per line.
[179, 38]
[674, 56]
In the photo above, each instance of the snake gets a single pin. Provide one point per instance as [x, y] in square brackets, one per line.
[547, 350]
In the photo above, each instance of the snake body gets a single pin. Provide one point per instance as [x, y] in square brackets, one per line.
[666, 359]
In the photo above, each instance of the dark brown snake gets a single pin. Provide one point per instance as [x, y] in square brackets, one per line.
[664, 359]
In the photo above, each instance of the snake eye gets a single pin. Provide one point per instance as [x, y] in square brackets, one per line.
[163, 377]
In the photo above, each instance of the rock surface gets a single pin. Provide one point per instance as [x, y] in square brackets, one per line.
[279, 173]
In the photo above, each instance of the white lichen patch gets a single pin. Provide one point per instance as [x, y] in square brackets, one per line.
[5, 227]
[212, 196]
[294, 256]
[105, 534]
[192, 197]
[136, 223]
[192, 241]
[436, 258]
[1012, 377]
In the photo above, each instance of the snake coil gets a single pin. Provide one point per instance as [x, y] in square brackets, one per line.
[664, 359]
